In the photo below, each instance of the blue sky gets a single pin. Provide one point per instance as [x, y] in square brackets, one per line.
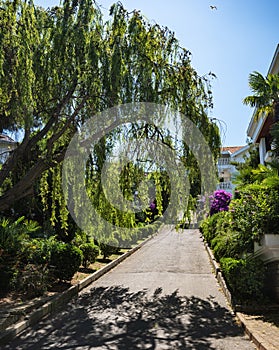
[236, 39]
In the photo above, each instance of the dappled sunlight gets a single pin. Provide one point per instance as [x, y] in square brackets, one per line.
[116, 318]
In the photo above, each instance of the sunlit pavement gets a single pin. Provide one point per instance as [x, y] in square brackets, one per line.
[164, 296]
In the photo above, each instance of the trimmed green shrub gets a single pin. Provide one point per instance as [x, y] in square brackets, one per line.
[26, 269]
[232, 233]
[65, 260]
[141, 232]
[245, 277]
[90, 252]
[8, 274]
[157, 224]
[208, 227]
[147, 230]
[225, 244]
[37, 250]
[254, 213]
[265, 209]
[109, 248]
[126, 243]
[125, 239]
[33, 280]
[228, 240]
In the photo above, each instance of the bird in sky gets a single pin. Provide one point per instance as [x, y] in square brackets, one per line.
[213, 7]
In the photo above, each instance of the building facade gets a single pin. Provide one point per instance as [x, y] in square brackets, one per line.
[7, 144]
[259, 128]
[226, 170]
[268, 249]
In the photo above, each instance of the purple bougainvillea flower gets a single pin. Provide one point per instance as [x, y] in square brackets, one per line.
[220, 201]
[152, 206]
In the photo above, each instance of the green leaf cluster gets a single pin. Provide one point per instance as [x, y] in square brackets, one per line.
[58, 68]
[245, 278]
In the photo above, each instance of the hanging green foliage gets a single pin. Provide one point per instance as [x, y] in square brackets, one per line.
[58, 68]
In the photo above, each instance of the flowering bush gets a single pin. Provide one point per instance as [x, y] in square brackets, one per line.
[220, 201]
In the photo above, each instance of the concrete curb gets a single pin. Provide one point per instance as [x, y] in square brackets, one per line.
[61, 299]
[218, 274]
[255, 337]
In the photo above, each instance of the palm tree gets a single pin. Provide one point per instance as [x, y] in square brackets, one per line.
[265, 99]
[265, 94]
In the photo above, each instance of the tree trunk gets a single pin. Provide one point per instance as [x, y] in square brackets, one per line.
[25, 186]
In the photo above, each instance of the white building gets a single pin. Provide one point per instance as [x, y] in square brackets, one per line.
[259, 128]
[7, 144]
[259, 132]
[226, 170]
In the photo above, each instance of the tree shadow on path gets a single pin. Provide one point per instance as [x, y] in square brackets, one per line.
[116, 318]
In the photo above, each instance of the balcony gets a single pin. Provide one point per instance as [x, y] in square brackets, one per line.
[226, 186]
[224, 161]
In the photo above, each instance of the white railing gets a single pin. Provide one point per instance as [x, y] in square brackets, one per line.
[224, 186]
[223, 161]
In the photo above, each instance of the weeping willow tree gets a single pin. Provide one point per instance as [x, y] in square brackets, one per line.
[60, 66]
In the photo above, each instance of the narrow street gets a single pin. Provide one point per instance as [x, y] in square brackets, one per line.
[164, 296]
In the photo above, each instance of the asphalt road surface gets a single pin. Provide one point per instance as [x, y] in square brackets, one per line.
[164, 296]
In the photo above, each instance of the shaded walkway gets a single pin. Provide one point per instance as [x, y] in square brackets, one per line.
[162, 297]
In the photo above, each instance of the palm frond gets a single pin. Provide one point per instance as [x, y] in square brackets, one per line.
[261, 104]
[265, 93]
[258, 84]
[262, 172]
[273, 81]
[254, 101]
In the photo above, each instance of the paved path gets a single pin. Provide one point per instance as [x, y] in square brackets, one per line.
[162, 297]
